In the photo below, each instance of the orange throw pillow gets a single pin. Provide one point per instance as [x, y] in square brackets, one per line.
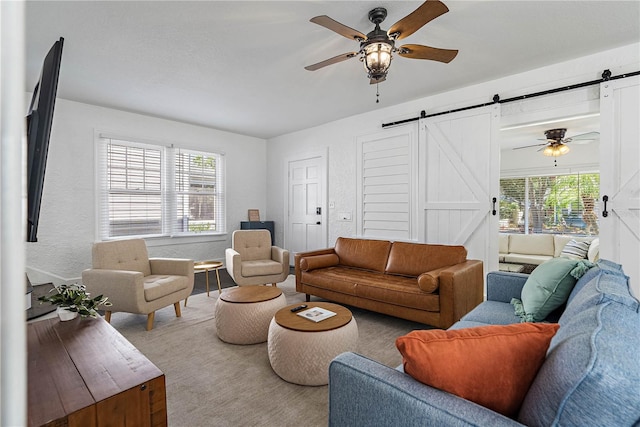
[492, 366]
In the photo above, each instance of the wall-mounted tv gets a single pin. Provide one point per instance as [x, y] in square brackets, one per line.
[39, 120]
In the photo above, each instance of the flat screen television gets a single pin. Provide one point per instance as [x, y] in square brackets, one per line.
[39, 120]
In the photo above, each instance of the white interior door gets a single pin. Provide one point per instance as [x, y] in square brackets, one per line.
[306, 214]
[459, 181]
[620, 175]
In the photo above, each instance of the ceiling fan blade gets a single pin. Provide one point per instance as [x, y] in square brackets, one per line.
[411, 23]
[339, 28]
[330, 61]
[380, 80]
[589, 136]
[528, 146]
[418, 51]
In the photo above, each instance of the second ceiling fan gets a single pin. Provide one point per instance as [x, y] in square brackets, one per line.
[378, 46]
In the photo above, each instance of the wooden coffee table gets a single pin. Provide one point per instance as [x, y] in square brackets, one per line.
[300, 350]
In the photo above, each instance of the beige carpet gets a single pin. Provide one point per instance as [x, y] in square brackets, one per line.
[212, 383]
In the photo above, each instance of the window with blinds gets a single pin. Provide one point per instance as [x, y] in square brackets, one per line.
[565, 204]
[150, 190]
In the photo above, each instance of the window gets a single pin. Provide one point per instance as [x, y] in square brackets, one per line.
[566, 204]
[149, 190]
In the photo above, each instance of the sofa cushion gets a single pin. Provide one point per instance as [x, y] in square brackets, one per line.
[526, 259]
[492, 313]
[531, 244]
[593, 254]
[260, 268]
[318, 261]
[362, 253]
[575, 250]
[489, 365]
[547, 288]
[157, 285]
[399, 290]
[503, 243]
[413, 259]
[592, 372]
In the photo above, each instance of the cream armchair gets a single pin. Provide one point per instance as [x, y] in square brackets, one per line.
[252, 260]
[134, 283]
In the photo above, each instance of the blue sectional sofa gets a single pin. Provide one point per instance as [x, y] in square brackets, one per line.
[590, 377]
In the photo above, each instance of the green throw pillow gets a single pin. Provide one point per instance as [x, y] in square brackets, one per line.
[548, 287]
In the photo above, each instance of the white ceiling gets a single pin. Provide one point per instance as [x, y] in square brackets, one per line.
[239, 65]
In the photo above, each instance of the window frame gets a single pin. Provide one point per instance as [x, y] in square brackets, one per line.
[527, 226]
[169, 193]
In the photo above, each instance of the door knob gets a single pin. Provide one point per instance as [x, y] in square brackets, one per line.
[318, 223]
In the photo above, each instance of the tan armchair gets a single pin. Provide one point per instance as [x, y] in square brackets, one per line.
[252, 260]
[134, 283]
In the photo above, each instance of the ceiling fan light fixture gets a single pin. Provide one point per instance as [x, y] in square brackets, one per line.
[377, 59]
[556, 150]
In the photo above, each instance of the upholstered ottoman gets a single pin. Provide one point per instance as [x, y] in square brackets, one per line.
[243, 314]
[300, 349]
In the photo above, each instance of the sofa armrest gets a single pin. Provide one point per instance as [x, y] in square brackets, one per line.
[125, 289]
[461, 289]
[363, 392]
[502, 286]
[171, 266]
[297, 257]
[233, 263]
[280, 255]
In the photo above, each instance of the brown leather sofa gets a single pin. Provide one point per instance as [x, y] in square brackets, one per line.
[432, 284]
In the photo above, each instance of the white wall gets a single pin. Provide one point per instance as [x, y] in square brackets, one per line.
[340, 136]
[68, 214]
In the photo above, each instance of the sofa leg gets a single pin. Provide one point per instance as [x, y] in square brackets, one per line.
[107, 316]
[185, 301]
[150, 318]
[177, 307]
[308, 297]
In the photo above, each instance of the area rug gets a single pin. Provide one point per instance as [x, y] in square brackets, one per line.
[212, 383]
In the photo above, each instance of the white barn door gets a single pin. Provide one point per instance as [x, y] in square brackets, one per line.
[620, 175]
[459, 181]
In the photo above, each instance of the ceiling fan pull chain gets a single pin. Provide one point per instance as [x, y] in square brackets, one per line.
[377, 93]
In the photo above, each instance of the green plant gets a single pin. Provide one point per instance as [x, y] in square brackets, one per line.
[76, 298]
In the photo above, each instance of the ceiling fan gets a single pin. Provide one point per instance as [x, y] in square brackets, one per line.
[555, 144]
[378, 46]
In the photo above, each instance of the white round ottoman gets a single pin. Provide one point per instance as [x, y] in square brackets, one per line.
[300, 350]
[243, 313]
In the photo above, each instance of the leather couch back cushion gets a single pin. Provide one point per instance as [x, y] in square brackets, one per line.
[363, 253]
[531, 244]
[413, 259]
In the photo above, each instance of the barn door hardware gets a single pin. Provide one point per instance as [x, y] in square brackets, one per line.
[605, 199]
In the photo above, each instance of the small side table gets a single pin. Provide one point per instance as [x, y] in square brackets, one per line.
[206, 266]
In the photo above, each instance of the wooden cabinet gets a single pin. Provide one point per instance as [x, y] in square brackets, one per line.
[84, 373]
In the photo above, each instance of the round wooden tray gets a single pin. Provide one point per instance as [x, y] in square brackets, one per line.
[285, 318]
[250, 294]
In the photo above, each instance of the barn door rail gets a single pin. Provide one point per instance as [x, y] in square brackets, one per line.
[606, 76]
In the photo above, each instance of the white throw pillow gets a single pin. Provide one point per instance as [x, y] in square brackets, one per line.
[594, 250]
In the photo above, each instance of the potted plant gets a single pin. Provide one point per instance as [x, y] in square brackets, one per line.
[73, 300]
